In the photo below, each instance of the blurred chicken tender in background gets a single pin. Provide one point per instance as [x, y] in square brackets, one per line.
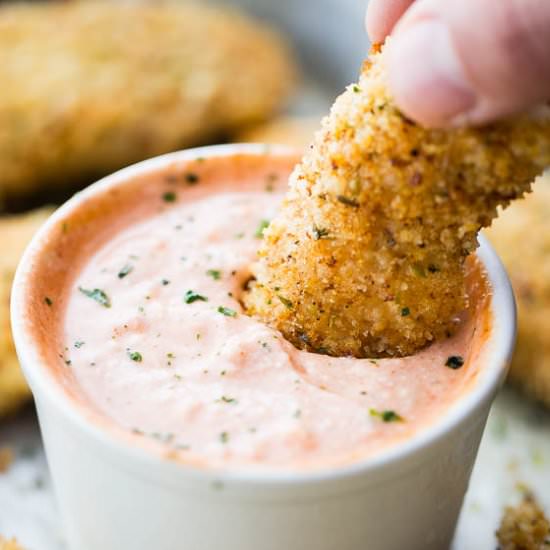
[296, 132]
[9, 544]
[16, 232]
[521, 236]
[89, 87]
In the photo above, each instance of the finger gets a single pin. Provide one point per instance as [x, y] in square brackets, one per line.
[471, 61]
[382, 15]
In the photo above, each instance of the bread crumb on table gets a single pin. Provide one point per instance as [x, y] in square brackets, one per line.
[524, 527]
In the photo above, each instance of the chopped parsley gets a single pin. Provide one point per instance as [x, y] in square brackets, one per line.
[191, 178]
[48, 301]
[78, 344]
[386, 416]
[228, 312]
[418, 270]
[347, 201]
[319, 233]
[454, 362]
[128, 268]
[224, 437]
[260, 230]
[285, 301]
[215, 274]
[192, 296]
[226, 399]
[135, 356]
[356, 88]
[169, 196]
[405, 312]
[98, 295]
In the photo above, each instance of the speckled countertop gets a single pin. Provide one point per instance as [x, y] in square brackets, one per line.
[515, 453]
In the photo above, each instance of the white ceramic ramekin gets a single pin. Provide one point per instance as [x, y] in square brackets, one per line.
[116, 496]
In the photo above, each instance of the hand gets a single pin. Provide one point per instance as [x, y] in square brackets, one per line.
[454, 62]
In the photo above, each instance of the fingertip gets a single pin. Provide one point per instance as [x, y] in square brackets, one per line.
[425, 75]
[382, 16]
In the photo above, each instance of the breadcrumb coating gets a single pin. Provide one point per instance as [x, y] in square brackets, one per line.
[16, 232]
[366, 257]
[521, 236]
[524, 527]
[89, 87]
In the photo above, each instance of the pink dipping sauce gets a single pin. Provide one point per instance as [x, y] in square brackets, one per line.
[155, 340]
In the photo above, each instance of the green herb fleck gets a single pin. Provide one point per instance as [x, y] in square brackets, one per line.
[285, 301]
[98, 295]
[48, 301]
[347, 201]
[418, 270]
[405, 312]
[135, 356]
[319, 233]
[215, 274]
[226, 399]
[224, 437]
[261, 227]
[192, 296]
[78, 344]
[386, 416]
[454, 362]
[356, 88]
[228, 312]
[169, 196]
[128, 268]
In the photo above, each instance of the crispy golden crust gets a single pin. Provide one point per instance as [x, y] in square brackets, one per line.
[366, 257]
[16, 232]
[88, 87]
[10, 544]
[521, 237]
[524, 527]
[295, 132]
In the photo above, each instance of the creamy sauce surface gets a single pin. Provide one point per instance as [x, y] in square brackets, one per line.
[158, 344]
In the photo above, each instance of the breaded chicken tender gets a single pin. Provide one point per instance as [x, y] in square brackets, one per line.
[366, 257]
[89, 87]
[524, 527]
[521, 236]
[16, 232]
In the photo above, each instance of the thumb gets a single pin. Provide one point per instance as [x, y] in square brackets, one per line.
[472, 61]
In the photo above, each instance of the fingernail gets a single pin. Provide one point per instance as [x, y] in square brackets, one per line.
[426, 75]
